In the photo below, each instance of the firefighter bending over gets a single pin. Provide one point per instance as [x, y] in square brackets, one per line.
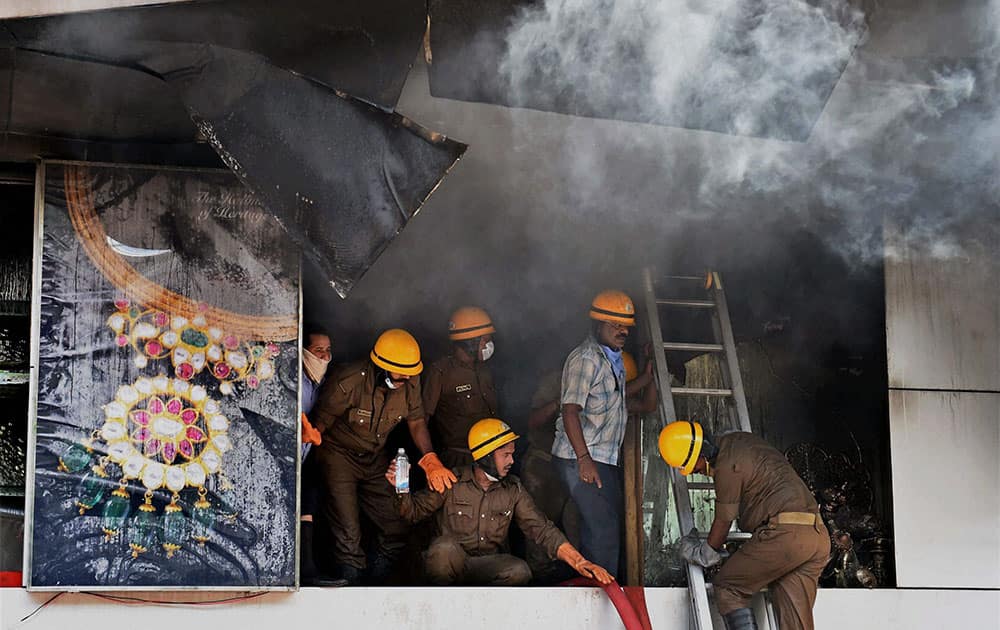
[755, 484]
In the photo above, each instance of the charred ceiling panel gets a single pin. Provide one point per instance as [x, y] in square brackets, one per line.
[749, 67]
[56, 96]
[363, 48]
[343, 176]
[6, 83]
[295, 98]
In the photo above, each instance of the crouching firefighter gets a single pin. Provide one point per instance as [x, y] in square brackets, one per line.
[475, 514]
[755, 484]
[355, 413]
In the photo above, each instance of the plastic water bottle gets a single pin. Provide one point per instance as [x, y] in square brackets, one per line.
[402, 473]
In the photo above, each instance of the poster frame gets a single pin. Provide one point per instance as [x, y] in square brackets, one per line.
[35, 341]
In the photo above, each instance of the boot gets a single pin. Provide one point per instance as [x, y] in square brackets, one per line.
[740, 619]
[379, 569]
[351, 576]
[308, 572]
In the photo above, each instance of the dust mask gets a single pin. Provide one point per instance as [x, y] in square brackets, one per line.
[487, 351]
[315, 367]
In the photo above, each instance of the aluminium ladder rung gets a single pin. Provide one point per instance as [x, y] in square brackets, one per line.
[731, 390]
[731, 536]
[684, 277]
[701, 391]
[686, 303]
[693, 347]
[700, 485]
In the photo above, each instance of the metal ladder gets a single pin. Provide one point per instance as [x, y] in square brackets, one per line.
[732, 391]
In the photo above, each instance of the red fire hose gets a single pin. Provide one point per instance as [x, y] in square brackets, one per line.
[618, 598]
[10, 579]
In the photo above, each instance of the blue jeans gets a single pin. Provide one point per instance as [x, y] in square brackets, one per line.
[601, 511]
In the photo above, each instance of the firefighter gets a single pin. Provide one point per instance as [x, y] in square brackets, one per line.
[591, 427]
[475, 515]
[458, 389]
[355, 414]
[755, 484]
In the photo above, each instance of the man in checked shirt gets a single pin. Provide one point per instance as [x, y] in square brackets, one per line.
[591, 427]
[475, 514]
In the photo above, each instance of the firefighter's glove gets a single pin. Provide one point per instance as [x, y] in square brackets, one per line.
[697, 551]
[439, 477]
[568, 554]
[310, 435]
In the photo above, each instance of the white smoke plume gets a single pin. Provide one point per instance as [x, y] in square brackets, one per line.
[728, 64]
[906, 130]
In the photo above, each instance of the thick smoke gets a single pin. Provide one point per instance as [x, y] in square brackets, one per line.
[747, 68]
[546, 209]
[916, 136]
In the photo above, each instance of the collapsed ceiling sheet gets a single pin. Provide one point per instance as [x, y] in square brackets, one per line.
[296, 99]
[362, 48]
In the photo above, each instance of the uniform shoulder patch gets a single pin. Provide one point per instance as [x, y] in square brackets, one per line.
[350, 379]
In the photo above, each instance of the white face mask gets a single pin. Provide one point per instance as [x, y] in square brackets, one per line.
[315, 367]
[390, 383]
[487, 351]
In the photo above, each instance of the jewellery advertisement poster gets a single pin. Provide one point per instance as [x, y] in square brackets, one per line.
[164, 449]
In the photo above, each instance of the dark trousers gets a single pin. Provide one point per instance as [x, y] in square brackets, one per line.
[786, 558]
[446, 563]
[352, 484]
[601, 511]
[311, 484]
[311, 481]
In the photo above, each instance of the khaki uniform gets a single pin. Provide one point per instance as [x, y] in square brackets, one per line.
[355, 416]
[542, 482]
[473, 526]
[457, 396]
[755, 484]
[541, 437]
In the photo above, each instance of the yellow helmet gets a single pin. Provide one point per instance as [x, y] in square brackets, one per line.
[631, 368]
[469, 322]
[397, 351]
[614, 307]
[680, 445]
[488, 435]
